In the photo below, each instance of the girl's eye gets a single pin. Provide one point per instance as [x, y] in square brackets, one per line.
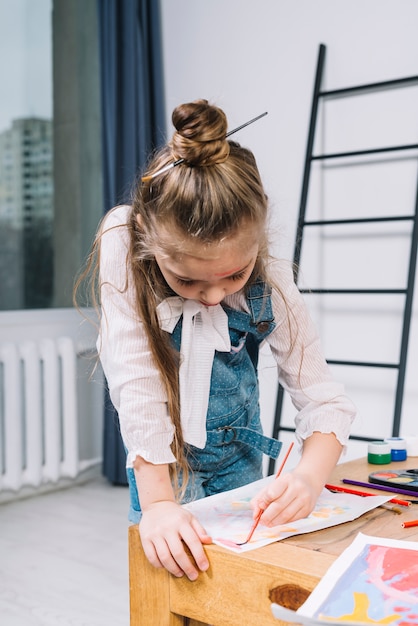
[189, 283]
[185, 283]
[238, 276]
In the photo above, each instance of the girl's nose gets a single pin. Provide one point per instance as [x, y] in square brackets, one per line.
[212, 295]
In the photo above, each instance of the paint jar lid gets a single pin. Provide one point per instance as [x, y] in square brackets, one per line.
[396, 443]
[379, 447]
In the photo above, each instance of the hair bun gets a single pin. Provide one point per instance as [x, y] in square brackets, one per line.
[200, 137]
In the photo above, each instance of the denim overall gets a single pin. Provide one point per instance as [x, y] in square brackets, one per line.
[235, 444]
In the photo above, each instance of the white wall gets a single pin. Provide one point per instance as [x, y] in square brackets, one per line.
[251, 57]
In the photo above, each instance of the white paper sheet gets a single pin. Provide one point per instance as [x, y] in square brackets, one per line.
[227, 517]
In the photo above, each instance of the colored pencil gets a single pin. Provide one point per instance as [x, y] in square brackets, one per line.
[410, 524]
[261, 511]
[356, 492]
[405, 492]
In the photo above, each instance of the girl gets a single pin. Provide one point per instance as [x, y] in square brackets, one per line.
[188, 293]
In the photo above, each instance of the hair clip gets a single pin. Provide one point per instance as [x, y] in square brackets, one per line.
[179, 161]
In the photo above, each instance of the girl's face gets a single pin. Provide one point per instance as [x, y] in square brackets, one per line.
[207, 272]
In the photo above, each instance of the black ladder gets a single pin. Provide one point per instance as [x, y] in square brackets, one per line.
[303, 223]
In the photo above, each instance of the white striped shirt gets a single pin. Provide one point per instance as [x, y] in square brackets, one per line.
[135, 385]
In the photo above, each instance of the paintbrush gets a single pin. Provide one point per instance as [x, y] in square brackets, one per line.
[394, 509]
[261, 511]
[180, 161]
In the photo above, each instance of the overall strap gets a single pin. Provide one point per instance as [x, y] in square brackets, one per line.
[261, 309]
[260, 320]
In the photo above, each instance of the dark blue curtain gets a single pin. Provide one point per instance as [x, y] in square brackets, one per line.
[132, 127]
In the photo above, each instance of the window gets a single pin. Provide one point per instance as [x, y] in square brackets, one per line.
[50, 169]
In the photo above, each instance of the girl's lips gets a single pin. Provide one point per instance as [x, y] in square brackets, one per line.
[206, 304]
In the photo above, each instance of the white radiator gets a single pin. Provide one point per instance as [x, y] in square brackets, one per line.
[38, 412]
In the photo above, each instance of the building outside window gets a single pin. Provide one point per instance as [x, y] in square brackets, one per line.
[26, 214]
[50, 170]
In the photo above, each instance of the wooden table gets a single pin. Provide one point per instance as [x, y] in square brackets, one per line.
[238, 589]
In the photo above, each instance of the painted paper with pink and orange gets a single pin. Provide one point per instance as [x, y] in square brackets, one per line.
[228, 517]
[374, 581]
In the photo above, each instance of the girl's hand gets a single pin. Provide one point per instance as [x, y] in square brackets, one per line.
[293, 496]
[290, 497]
[165, 529]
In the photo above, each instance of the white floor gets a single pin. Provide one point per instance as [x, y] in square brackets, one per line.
[63, 558]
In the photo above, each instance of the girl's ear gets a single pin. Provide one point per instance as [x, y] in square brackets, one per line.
[138, 219]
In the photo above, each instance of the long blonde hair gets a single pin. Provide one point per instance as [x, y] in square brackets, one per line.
[214, 192]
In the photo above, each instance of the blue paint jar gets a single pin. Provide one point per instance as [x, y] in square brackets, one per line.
[397, 448]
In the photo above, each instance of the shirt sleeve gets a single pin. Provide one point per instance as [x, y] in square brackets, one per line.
[135, 386]
[321, 402]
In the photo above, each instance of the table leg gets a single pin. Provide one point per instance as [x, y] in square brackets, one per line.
[149, 589]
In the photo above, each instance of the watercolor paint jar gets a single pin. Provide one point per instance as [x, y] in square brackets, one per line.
[379, 453]
[397, 448]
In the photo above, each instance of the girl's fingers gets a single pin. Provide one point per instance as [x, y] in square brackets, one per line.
[173, 558]
[169, 553]
[194, 543]
[268, 495]
[285, 500]
[151, 554]
[291, 506]
[166, 532]
[200, 531]
[282, 514]
[188, 537]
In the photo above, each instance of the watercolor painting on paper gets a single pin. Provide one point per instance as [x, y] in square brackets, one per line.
[228, 517]
[374, 581]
